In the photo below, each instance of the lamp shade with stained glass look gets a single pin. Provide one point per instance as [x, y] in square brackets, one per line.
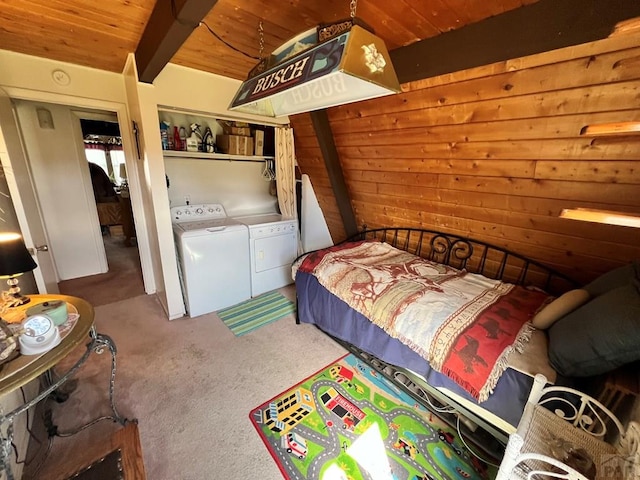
[15, 260]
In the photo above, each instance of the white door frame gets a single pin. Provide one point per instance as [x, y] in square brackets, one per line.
[135, 187]
[23, 197]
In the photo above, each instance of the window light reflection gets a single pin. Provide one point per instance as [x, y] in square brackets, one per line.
[334, 472]
[601, 216]
[369, 451]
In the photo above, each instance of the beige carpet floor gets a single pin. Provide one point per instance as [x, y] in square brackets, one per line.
[191, 384]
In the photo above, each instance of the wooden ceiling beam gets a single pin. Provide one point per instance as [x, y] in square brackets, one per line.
[169, 26]
[536, 28]
[322, 127]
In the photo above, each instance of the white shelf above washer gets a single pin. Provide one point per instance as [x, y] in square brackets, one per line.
[214, 156]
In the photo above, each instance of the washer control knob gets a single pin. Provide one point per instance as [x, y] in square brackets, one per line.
[199, 211]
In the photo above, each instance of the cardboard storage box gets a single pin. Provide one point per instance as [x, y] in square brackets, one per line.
[259, 141]
[235, 144]
[236, 128]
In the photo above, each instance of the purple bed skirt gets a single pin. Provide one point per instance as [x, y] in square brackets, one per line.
[318, 306]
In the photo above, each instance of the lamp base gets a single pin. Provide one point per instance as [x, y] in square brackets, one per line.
[18, 300]
[12, 297]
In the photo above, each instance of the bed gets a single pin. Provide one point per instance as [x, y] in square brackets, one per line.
[422, 264]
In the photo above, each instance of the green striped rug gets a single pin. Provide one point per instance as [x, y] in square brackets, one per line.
[247, 316]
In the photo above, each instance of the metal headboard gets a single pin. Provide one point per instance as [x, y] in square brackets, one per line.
[472, 255]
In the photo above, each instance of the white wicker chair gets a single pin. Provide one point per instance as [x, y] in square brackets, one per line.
[577, 420]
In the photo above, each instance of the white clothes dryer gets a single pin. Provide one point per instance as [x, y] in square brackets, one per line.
[273, 241]
[213, 258]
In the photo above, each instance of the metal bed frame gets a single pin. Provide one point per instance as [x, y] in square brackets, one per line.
[472, 255]
[462, 253]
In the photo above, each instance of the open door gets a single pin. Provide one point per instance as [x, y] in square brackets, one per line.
[14, 162]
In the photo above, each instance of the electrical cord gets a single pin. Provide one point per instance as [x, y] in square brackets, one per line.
[445, 409]
[44, 457]
[202, 22]
[25, 461]
[469, 448]
[421, 393]
[48, 423]
[193, 26]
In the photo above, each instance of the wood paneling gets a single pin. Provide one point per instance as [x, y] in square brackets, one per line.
[327, 146]
[102, 34]
[85, 32]
[541, 27]
[398, 23]
[495, 153]
[169, 25]
[307, 147]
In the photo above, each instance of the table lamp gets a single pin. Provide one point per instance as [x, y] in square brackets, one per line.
[15, 260]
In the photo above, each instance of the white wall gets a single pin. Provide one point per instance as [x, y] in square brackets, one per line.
[60, 174]
[10, 402]
[238, 186]
[31, 78]
[197, 91]
[191, 91]
[314, 232]
[150, 168]
[20, 73]
[177, 87]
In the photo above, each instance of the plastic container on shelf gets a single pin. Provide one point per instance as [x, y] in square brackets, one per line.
[164, 135]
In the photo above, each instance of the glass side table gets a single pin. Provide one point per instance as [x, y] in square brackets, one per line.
[23, 369]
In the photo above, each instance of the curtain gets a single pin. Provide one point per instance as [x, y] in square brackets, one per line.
[94, 146]
[285, 171]
[101, 146]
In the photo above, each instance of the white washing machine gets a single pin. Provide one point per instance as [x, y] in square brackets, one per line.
[213, 257]
[273, 241]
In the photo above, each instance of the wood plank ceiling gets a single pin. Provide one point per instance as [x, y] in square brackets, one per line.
[101, 34]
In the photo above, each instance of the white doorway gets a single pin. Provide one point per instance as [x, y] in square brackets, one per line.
[53, 140]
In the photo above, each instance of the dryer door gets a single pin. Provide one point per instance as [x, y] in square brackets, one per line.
[274, 252]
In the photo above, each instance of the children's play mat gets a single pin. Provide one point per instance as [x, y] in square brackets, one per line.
[347, 422]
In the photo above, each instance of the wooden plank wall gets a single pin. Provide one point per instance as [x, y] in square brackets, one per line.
[495, 153]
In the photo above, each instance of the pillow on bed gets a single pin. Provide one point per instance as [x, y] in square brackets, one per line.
[599, 336]
[615, 278]
[564, 304]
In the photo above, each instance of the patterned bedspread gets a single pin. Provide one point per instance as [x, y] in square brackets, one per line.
[465, 325]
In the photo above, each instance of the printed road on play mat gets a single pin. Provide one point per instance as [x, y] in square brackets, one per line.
[347, 422]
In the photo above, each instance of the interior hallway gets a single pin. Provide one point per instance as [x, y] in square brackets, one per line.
[122, 281]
